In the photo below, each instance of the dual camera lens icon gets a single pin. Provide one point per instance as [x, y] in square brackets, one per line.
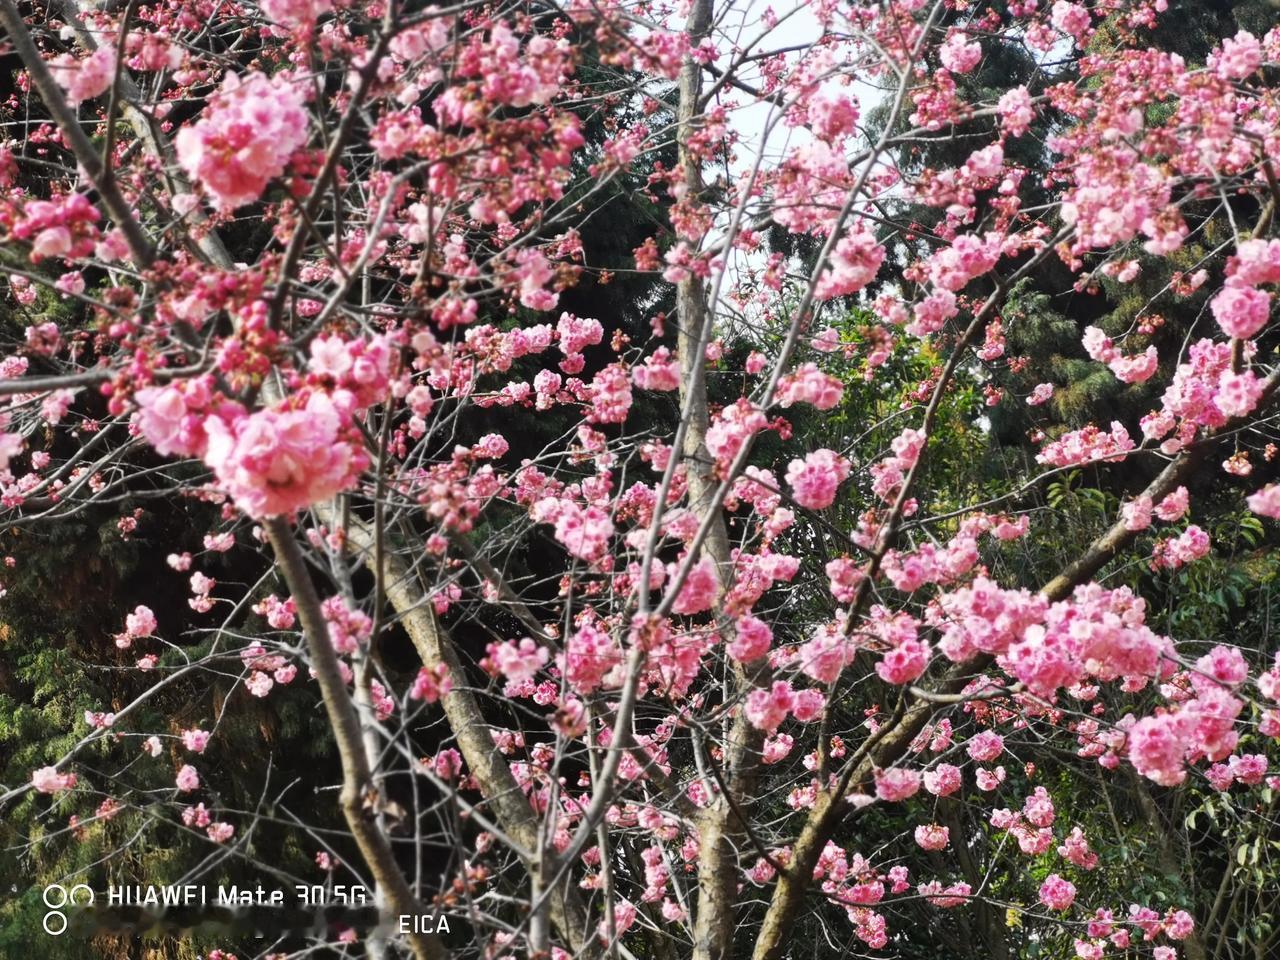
[56, 896]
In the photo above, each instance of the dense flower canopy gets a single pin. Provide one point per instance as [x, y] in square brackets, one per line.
[628, 426]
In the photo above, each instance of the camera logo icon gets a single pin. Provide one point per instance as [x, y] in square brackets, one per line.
[56, 896]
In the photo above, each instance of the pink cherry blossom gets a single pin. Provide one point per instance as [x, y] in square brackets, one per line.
[1071, 18]
[277, 461]
[245, 137]
[188, 778]
[1174, 505]
[985, 746]
[1075, 848]
[932, 837]
[853, 265]
[810, 385]
[958, 54]
[896, 783]
[84, 79]
[431, 684]
[195, 740]
[49, 780]
[1241, 311]
[296, 13]
[1266, 502]
[1057, 893]
[140, 623]
[1239, 56]
[1016, 111]
[1040, 395]
[518, 661]
[767, 709]
[814, 479]
[752, 639]
[942, 780]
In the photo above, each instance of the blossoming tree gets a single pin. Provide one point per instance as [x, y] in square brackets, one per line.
[665, 642]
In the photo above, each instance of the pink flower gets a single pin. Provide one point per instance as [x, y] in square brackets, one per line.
[1056, 893]
[658, 372]
[584, 532]
[1070, 18]
[188, 778]
[853, 264]
[826, 653]
[431, 684]
[1157, 746]
[1174, 505]
[278, 461]
[1266, 502]
[259, 684]
[87, 78]
[985, 746]
[172, 417]
[814, 479]
[140, 623]
[752, 639]
[447, 764]
[610, 395]
[989, 780]
[518, 661]
[957, 55]
[296, 14]
[49, 780]
[591, 659]
[1040, 395]
[1038, 808]
[1136, 369]
[808, 705]
[577, 333]
[347, 628]
[1241, 311]
[904, 663]
[766, 709]
[1016, 112]
[1238, 393]
[1179, 925]
[1240, 56]
[1087, 445]
[776, 748]
[195, 740]
[624, 915]
[1137, 514]
[810, 385]
[1249, 768]
[1075, 848]
[896, 783]
[1221, 665]
[932, 836]
[699, 590]
[953, 895]
[247, 134]
[1192, 544]
[732, 427]
[942, 780]
[358, 366]
[932, 313]
[280, 614]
